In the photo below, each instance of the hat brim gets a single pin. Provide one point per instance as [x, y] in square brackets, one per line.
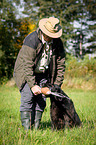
[45, 31]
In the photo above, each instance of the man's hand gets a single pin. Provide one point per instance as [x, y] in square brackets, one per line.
[36, 90]
[45, 91]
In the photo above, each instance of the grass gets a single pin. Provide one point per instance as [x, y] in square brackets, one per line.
[80, 73]
[12, 133]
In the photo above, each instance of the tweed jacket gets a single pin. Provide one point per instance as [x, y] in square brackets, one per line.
[29, 55]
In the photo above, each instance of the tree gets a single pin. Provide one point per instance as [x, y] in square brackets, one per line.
[24, 27]
[91, 9]
[67, 11]
[12, 32]
[87, 29]
[7, 33]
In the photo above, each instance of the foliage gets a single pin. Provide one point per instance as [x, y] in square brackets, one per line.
[12, 32]
[11, 131]
[68, 12]
[13, 29]
[80, 73]
[91, 8]
[24, 27]
[80, 68]
[87, 30]
[8, 33]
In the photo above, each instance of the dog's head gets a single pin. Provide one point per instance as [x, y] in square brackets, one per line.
[54, 88]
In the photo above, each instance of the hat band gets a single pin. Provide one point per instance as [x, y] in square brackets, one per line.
[50, 28]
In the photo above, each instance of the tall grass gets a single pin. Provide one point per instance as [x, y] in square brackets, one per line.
[80, 73]
[12, 133]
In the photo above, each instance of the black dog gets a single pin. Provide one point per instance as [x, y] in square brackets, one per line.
[62, 110]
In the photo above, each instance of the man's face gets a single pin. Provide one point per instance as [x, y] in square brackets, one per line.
[47, 38]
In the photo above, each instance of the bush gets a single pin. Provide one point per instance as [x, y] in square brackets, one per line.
[80, 68]
[80, 73]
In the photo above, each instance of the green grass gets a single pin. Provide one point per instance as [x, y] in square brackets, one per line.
[80, 73]
[12, 133]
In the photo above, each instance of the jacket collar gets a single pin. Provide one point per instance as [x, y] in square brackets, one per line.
[40, 44]
[39, 32]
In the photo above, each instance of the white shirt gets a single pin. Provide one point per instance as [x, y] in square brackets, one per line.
[44, 61]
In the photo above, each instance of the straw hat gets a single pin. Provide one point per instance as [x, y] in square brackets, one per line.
[50, 26]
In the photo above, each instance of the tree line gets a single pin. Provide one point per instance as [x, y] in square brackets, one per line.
[14, 28]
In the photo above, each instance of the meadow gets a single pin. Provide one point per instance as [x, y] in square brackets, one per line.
[12, 132]
[79, 84]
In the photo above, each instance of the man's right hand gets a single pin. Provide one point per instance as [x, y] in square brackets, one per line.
[36, 90]
[45, 91]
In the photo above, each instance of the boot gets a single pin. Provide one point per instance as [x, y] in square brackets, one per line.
[38, 116]
[32, 118]
[27, 119]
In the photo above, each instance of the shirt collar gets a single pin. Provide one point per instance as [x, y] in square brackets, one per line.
[43, 41]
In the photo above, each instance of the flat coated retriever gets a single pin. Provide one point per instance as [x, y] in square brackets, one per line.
[62, 110]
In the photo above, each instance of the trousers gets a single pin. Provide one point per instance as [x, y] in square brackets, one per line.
[31, 102]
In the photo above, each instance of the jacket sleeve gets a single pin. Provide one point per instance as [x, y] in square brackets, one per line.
[29, 55]
[60, 64]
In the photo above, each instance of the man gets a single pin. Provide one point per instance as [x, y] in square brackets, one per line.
[42, 56]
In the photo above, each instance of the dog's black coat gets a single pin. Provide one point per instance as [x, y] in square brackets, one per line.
[62, 110]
